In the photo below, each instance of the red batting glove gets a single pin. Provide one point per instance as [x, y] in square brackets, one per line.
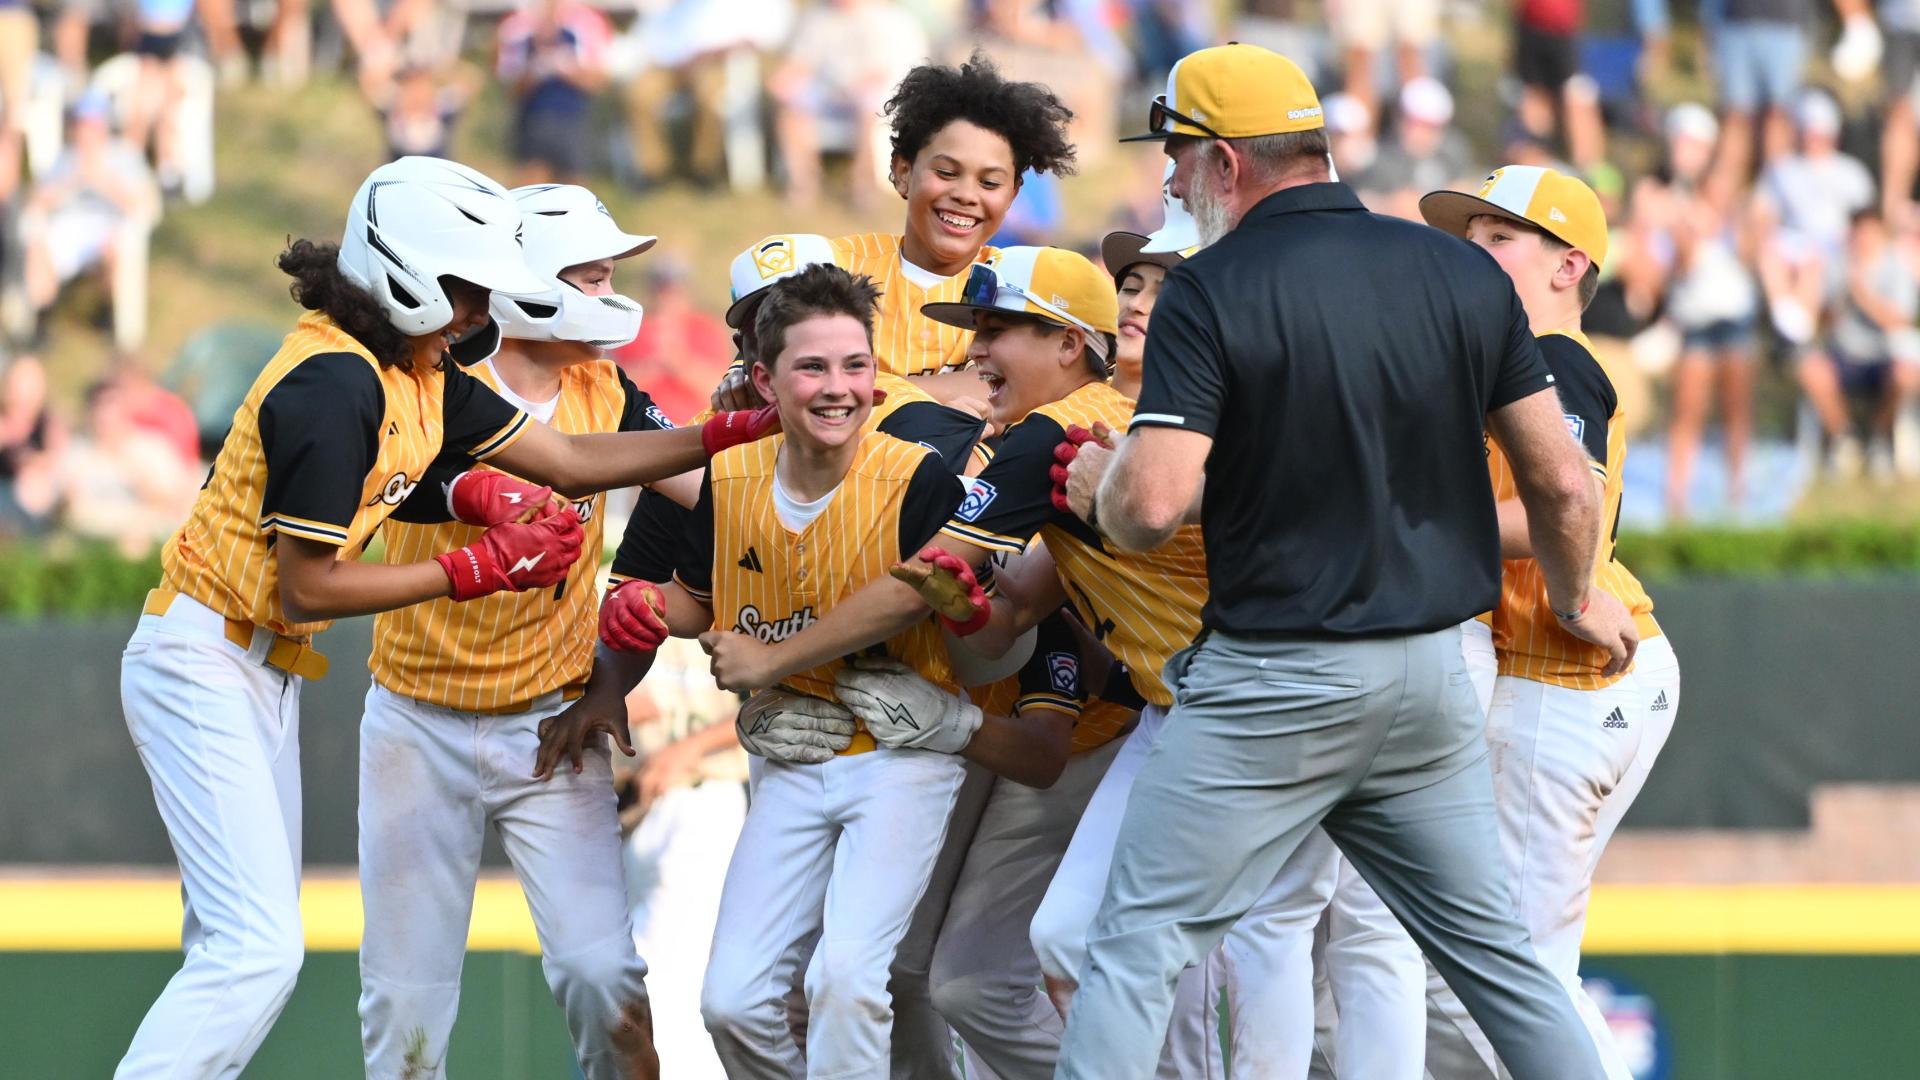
[630, 617]
[489, 497]
[977, 596]
[733, 428]
[1064, 454]
[514, 557]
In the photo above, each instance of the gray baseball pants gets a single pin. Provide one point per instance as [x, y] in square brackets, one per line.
[1379, 740]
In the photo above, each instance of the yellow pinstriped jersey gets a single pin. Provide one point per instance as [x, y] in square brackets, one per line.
[1051, 681]
[769, 582]
[1143, 606]
[503, 651]
[324, 447]
[1528, 639]
[905, 341]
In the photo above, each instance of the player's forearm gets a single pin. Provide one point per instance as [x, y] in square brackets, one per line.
[616, 673]
[342, 589]
[951, 386]
[880, 610]
[580, 465]
[1031, 749]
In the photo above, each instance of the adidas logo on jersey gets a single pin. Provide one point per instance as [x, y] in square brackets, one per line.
[751, 561]
[1660, 702]
[1615, 719]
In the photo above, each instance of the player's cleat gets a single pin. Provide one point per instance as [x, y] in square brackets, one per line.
[948, 586]
[514, 557]
[632, 617]
[489, 497]
[733, 428]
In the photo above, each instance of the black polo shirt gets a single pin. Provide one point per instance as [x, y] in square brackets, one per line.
[1344, 364]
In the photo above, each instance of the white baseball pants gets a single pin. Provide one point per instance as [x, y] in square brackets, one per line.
[219, 734]
[986, 979]
[842, 849]
[1565, 770]
[431, 780]
[676, 864]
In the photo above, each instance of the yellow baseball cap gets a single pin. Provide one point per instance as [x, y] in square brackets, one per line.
[1560, 205]
[1233, 91]
[1048, 283]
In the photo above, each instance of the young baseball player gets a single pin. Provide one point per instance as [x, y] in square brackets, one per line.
[963, 138]
[841, 849]
[335, 433]
[1570, 747]
[459, 691]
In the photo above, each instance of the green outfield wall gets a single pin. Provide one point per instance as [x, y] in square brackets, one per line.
[1786, 685]
[1730, 1017]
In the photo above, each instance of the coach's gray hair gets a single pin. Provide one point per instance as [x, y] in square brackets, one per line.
[1272, 158]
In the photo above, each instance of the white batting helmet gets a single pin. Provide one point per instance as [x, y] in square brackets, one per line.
[420, 218]
[565, 225]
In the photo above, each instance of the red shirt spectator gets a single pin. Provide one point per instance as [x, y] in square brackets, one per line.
[681, 351]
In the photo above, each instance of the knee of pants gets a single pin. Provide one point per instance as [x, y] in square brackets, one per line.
[733, 1010]
[964, 998]
[848, 979]
[602, 979]
[1059, 934]
[269, 960]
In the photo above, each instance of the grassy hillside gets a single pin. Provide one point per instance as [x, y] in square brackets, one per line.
[289, 161]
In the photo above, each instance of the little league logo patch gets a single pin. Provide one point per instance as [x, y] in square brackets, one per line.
[1063, 671]
[654, 414]
[979, 496]
[1577, 425]
[775, 257]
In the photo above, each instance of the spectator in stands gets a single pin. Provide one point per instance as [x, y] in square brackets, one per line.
[388, 35]
[78, 211]
[153, 408]
[418, 111]
[1555, 94]
[1425, 154]
[120, 482]
[19, 41]
[1063, 45]
[1365, 28]
[1282, 26]
[1037, 213]
[150, 109]
[681, 351]
[1802, 208]
[695, 47]
[1899, 67]
[552, 56]
[845, 57]
[1872, 349]
[1759, 50]
[1350, 138]
[31, 441]
[1711, 300]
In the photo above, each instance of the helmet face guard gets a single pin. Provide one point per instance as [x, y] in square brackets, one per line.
[567, 226]
[567, 314]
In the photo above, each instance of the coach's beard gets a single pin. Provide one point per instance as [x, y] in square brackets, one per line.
[1212, 218]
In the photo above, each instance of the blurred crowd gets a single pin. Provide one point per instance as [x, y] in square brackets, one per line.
[1758, 161]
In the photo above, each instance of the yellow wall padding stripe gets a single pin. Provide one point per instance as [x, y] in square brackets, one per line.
[106, 914]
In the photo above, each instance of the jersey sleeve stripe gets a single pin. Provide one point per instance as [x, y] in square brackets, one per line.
[1155, 419]
[1050, 702]
[312, 530]
[503, 438]
[705, 596]
[982, 538]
